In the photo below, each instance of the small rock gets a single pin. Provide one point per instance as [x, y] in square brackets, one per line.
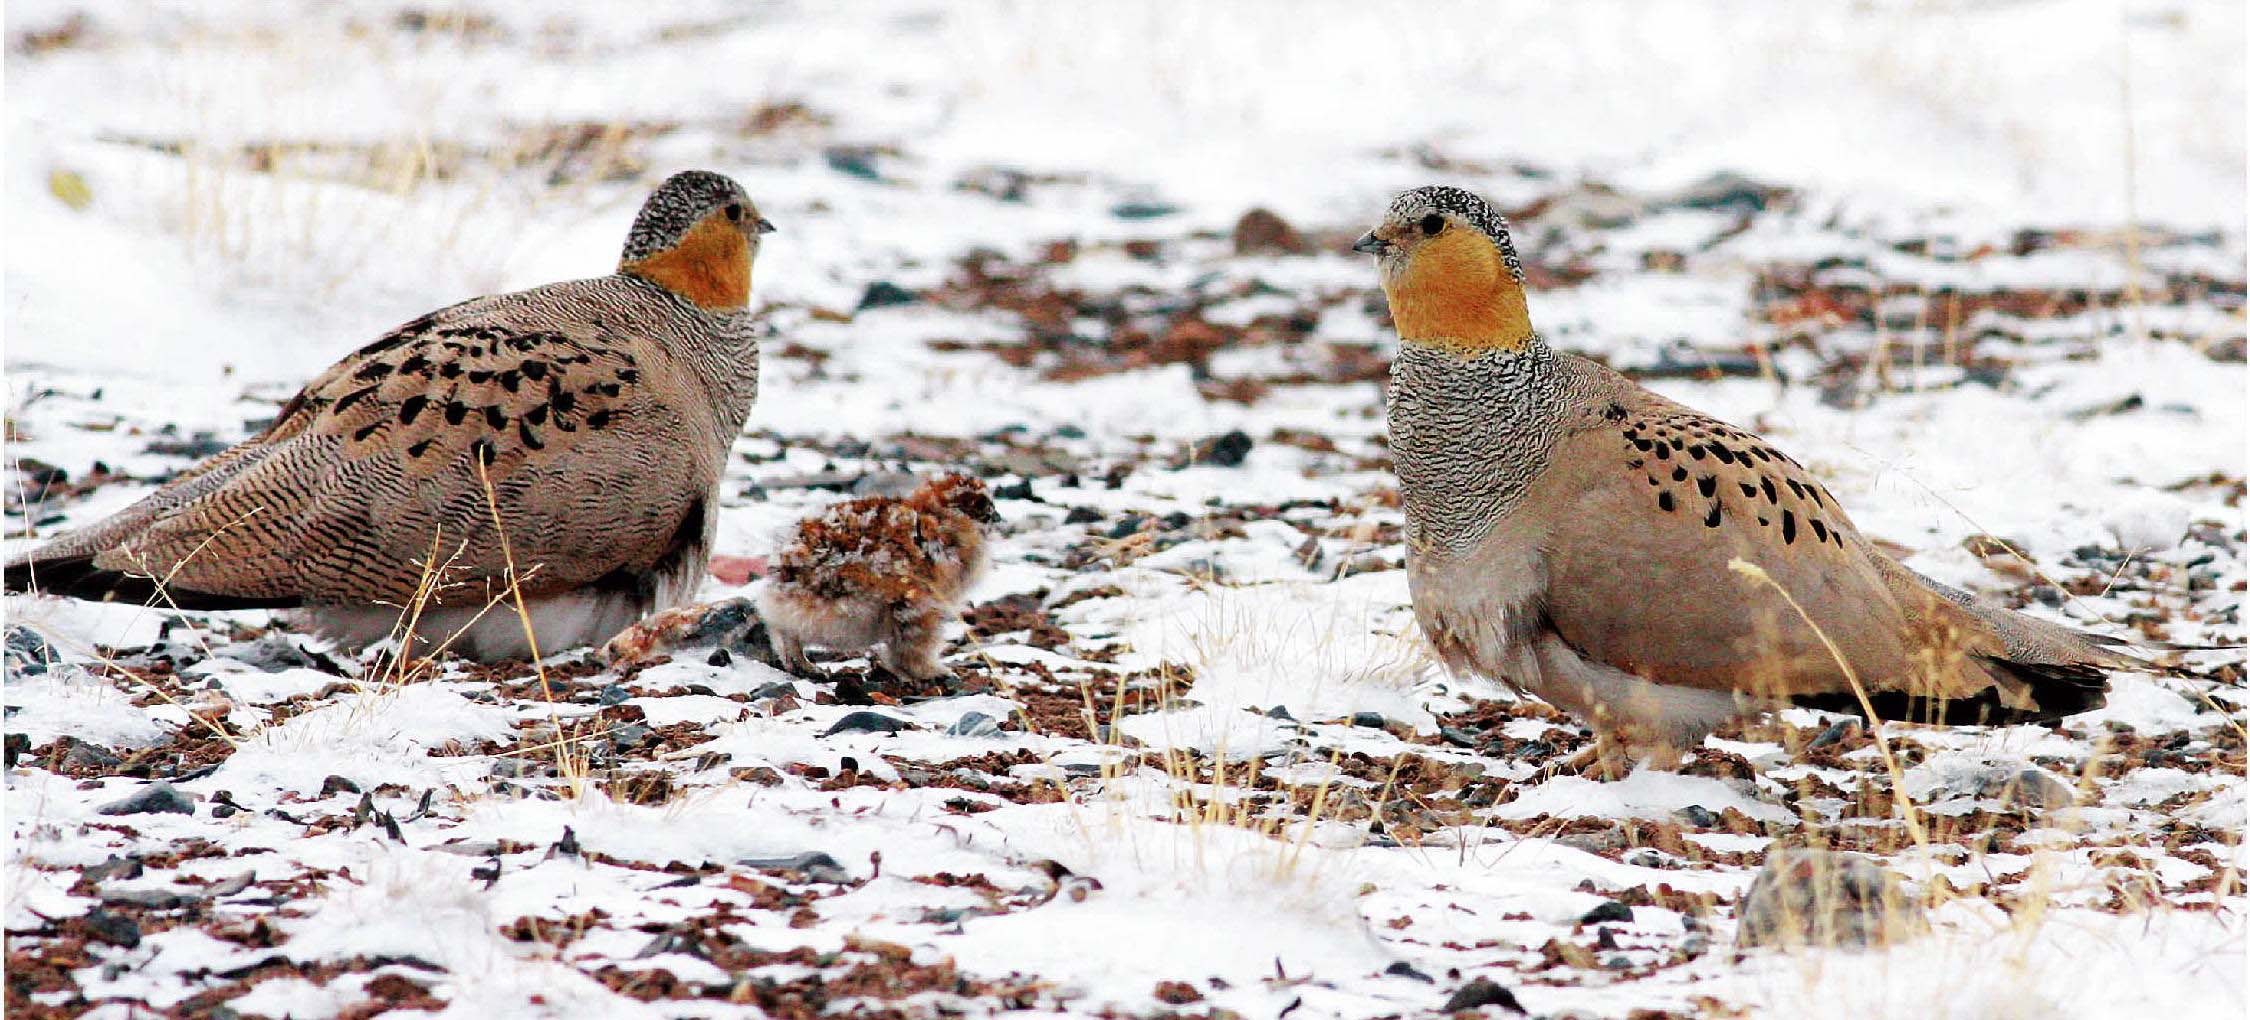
[974, 724]
[1403, 969]
[812, 866]
[1481, 992]
[1020, 489]
[154, 798]
[116, 869]
[1082, 515]
[1826, 898]
[337, 784]
[1837, 732]
[613, 694]
[1224, 451]
[777, 689]
[1609, 910]
[1457, 736]
[2030, 788]
[88, 757]
[867, 722]
[18, 745]
[28, 653]
[885, 483]
[1370, 720]
[1697, 816]
[1261, 231]
[852, 161]
[151, 899]
[1142, 210]
[197, 446]
[885, 294]
[1612, 838]
[1280, 712]
[115, 929]
[628, 736]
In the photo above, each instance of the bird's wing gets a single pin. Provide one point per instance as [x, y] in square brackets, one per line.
[1648, 505]
[372, 473]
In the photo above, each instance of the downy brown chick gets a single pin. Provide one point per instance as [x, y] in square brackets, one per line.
[881, 571]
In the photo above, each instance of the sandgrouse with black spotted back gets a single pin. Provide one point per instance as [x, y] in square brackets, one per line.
[592, 418]
[1572, 534]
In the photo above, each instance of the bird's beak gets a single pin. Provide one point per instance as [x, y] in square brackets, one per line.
[765, 226]
[1371, 244]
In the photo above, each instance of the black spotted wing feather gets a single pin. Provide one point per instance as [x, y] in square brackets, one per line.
[388, 466]
[1654, 501]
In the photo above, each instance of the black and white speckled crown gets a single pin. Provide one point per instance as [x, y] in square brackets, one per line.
[678, 204]
[1467, 206]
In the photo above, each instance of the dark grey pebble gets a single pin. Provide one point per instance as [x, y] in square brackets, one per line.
[1481, 992]
[1228, 450]
[885, 294]
[812, 865]
[974, 724]
[1607, 911]
[867, 722]
[154, 798]
[1403, 969]
[1697, 815]
[115, 929]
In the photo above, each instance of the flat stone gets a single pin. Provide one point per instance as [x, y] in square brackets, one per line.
[974, 724]
[1827, 898]
[1481, 992]
[867, 722]
[155, 798]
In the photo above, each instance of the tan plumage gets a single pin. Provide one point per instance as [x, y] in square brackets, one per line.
[593, 416]
[880, 571]
[1573, 534]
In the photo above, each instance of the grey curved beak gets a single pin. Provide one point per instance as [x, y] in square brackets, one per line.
[765, 226]
[1370, 244]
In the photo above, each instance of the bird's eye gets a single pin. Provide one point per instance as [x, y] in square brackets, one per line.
[1431, 224]
[734, 212]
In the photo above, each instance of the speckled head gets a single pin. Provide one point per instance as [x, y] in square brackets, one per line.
[697, 237]
[961, 494]
[1450, 271]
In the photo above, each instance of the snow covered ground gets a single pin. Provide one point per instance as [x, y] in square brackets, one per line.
[1978, 264]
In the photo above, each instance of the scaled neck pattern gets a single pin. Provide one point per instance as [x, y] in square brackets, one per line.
[1470, 431]
[722, 350]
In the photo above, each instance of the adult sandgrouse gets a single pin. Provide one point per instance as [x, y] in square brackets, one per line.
[1570, 533]
[592, 417]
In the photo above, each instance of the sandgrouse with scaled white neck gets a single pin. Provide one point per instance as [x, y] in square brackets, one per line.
[1575, 535]
[577, 429]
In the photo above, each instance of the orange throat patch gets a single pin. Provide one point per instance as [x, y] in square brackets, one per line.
[710, 266]
[1456, 293]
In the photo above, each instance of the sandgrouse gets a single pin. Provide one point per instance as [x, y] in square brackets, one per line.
[880, 571]
[592, 418]
[1571, 534]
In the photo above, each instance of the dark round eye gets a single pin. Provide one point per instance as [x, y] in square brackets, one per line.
[734, 211]
[1431, 224]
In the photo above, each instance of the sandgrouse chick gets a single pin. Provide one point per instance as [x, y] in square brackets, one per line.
[1570, 533]
[882, 571]
[577, 429]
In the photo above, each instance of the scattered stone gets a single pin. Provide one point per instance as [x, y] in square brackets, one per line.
[613, 694]
[1457, 736]
[1401, 968]
[1608, 911]
[885, 294]
[1612, 838]
[1082, 515]
[1228, 450]
[1142, 210]
[867, 722]
[1698, 816]
[1280, 712]
[1837, 732]
[115, 929]
[1826, 898]
[852, 161]
[2029, 788]
[628, 736]
[18, 744]
[337, 784]
[148, 899]
[198, 445]
[155, 798]
[1481, 992]
[974, 724]
[116, 869]
[1261, 231]
[28, 653]
[1369, 720]
[812, 866]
